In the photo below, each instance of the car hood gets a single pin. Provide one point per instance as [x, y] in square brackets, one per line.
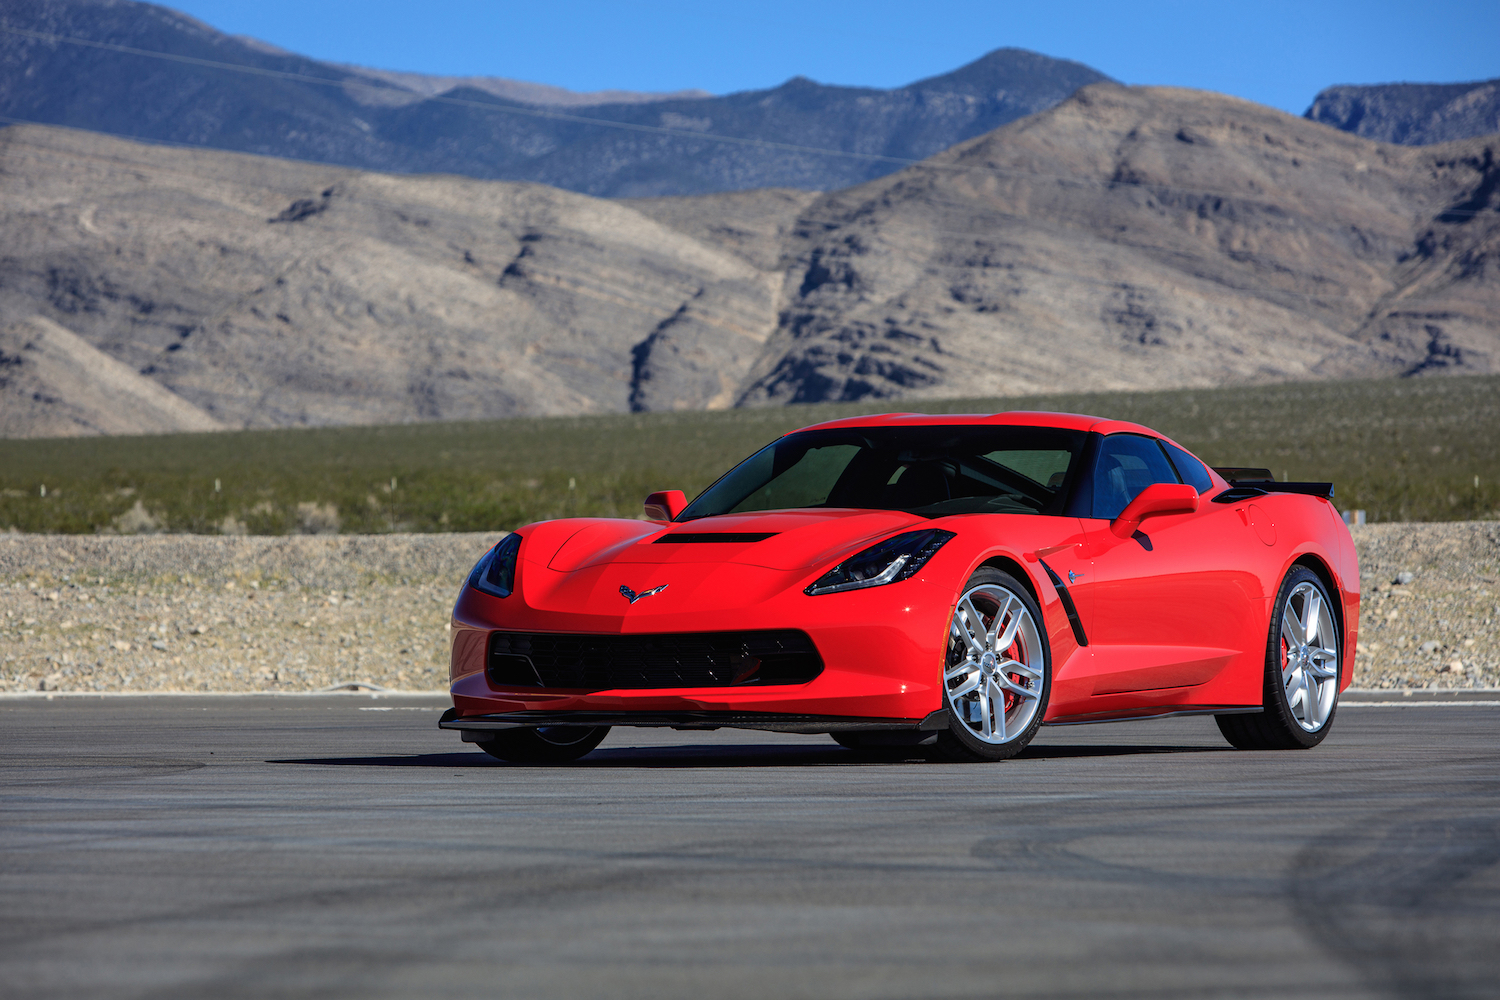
[778, 540]
[573, 573]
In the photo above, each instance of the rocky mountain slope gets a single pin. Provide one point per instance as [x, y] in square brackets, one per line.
[56, 384]
[420, 85]
[1128, 238]
[1412, 114]
[267, 292]
[1143, 236]
[280, 104]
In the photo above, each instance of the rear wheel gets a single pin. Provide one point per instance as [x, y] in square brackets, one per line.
[997, 673]
[544, 745]
[1302, 672]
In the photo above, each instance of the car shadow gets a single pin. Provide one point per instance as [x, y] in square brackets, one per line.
[698, 756]
[1055, 751]
[624, 757]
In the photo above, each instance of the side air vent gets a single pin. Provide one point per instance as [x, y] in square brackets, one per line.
[1237, 493]
[1238, 474]
[1247, 491]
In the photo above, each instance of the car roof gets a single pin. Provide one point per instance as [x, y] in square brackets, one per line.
[1010, 418]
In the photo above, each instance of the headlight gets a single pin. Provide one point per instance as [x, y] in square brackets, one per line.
[893, 559]
[495, 573]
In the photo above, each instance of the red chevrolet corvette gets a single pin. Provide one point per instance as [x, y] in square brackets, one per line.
[952, 582]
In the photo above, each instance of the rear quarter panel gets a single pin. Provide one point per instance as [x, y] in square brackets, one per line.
[1311, 531]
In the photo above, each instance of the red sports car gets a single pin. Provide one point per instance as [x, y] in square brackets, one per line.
[952, 582]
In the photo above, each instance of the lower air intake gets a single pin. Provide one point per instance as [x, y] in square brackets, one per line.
[667, 660]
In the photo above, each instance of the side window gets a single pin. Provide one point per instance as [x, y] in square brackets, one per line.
[1127, 464]
[1189, 468]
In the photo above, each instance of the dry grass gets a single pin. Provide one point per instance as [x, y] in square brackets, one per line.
[1408, 450]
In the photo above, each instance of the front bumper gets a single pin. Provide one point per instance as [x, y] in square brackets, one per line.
[882, 652]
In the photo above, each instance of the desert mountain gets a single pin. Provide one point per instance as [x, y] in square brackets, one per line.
[268, 292]
[420, 85]
[1412, 114]
[1144, 237]
[281, 104]
[1127, 238]
[55, 384]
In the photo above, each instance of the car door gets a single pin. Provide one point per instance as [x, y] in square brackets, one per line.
[1171, 605]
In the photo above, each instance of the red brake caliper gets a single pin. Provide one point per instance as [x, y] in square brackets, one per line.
[1011, 698]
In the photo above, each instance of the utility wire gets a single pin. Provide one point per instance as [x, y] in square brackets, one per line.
[535, 112]
[523, 110]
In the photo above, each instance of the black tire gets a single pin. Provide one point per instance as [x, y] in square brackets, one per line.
[965, 740]
[545, 745]
[886, 744]
[1277, 726]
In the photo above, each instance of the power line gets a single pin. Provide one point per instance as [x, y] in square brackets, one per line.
[534, 112]
[523, 110]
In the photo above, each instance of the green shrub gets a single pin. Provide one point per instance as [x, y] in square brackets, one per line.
[1407, 450]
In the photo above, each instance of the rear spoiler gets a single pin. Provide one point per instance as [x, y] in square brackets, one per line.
[1247, 483]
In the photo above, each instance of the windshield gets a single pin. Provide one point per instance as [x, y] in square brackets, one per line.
[931, 471]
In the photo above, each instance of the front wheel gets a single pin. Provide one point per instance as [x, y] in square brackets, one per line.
[997, 672]
[886, 744]
[1302, 672]
[545, 744]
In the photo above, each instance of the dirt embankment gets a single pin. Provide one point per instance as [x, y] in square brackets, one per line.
[1439, 626]
[200, 613]
[203, 613]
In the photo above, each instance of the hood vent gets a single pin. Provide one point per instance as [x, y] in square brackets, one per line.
[722, 537]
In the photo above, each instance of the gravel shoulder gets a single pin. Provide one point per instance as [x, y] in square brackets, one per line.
[175, 613]
[1438, 627]
[226, 614]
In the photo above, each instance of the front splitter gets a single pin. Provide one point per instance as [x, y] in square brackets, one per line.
[774, 722]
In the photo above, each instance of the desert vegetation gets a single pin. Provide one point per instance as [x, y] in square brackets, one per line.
[1401, 450]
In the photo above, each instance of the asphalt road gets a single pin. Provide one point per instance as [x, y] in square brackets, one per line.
[339, 846]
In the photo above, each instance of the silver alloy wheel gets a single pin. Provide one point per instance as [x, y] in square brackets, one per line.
[995, 669]
[1309, 656]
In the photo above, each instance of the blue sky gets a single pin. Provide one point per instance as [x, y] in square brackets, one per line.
[1277, 53]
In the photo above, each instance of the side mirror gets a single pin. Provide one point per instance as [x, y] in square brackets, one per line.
[665, 505]
[1158, 498]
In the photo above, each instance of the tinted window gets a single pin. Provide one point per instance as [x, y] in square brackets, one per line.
[805, 482]
[932, 471]
[1189, 468]
[1048, 468]
[1127, 464]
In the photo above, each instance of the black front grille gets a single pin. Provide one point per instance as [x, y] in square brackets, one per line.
[666, 660]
